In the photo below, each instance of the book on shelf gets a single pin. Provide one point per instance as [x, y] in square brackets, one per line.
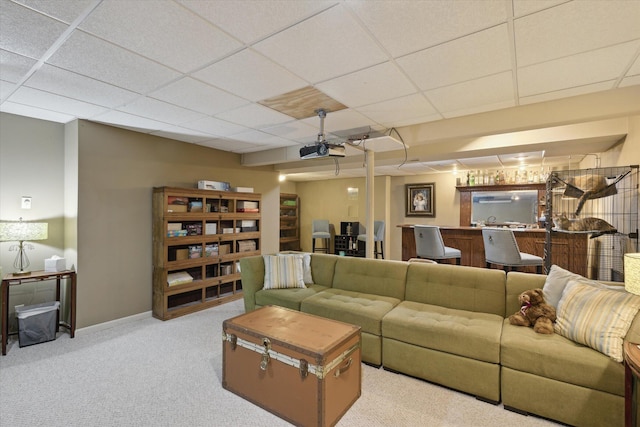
[247, 204]
[179, 278]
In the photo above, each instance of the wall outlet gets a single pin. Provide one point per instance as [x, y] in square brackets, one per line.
[26, 202]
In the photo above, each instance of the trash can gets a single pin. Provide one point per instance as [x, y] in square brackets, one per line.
[37, 323]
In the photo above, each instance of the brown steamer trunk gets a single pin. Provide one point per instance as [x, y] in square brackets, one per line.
[278, 382]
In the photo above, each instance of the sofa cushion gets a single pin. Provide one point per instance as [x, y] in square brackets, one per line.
[598, 318]
[558, 358]
[460, 332]
[457, 287]
[323, 268]
[290, 298]
[282, 272]
[377, 277]
[364, 310]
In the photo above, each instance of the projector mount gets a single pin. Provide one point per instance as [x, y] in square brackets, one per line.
[322, 114]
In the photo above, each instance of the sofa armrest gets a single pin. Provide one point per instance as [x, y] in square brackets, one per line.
[252, 275]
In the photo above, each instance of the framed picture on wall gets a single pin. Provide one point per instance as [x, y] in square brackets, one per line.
[420, 199]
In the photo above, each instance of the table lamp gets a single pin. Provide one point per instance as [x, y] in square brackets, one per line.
[632, 273]
[20, 232]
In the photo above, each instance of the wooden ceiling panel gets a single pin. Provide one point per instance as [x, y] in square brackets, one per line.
[303, 103]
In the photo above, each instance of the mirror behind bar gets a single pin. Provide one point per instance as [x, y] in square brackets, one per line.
[517, 208]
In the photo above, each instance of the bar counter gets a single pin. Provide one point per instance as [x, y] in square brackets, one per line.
[568, 250]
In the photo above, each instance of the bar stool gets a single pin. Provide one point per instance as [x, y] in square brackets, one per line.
[320, 230]
[429, 244]
[501, 248]
[378, 236]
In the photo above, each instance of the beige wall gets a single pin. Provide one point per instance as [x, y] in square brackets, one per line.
[117, 170]
[627, 152]
[32, 164]
[329, 200]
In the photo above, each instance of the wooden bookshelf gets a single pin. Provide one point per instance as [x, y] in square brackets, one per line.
[289, 222]
[201, 235]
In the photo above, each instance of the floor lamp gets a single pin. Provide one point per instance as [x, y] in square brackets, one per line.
[22, 232]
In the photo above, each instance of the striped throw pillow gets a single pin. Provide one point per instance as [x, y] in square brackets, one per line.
[306, 267]
[282, 272]
[597, 318]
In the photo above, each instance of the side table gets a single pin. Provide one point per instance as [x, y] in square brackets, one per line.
[631, 372]
[38, 276]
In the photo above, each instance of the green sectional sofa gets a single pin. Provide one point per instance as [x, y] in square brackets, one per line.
[449, 325]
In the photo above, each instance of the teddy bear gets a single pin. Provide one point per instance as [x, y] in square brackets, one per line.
[534, 311]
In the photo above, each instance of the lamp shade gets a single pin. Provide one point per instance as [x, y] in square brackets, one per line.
[23, 231]
[632, 273]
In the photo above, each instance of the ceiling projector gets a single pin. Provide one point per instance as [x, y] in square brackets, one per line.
[322, 149]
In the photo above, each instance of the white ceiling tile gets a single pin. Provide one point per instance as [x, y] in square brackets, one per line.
[214, 126]
[53, 102]
[340, 121]
[182, 134]
[475, 95]
[72, 85]
[255, 116]
[6, 88]
[251, 76]
[374, 84]
[262, 138]
[66, 11]
[415, 120]
[159, 28]
[635, 68]
[129, 121]
[231, 145]
[566, 93]
[575, 27]
[578, 70]
[198, 96]
[630, 81]
[467, 58]
[88, 55]
[36, 113]
[525, 7]
[327, 45]
[17, 34]
[526, 159]
[250, 20]
[161, 111]
[13, 66]
[295, 131]
[389, 112]
[408, 26]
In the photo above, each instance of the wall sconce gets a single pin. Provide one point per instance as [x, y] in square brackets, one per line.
[20, 232]
[632, 273]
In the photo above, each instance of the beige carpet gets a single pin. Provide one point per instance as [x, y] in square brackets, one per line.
[154, 373]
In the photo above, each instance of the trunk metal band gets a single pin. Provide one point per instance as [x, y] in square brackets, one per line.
[317, 370]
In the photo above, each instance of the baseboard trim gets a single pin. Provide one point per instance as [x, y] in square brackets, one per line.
[113, 323]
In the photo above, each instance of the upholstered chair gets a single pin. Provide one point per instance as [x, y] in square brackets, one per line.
[429, 244]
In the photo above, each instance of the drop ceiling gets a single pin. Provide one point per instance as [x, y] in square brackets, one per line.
[204, 72]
